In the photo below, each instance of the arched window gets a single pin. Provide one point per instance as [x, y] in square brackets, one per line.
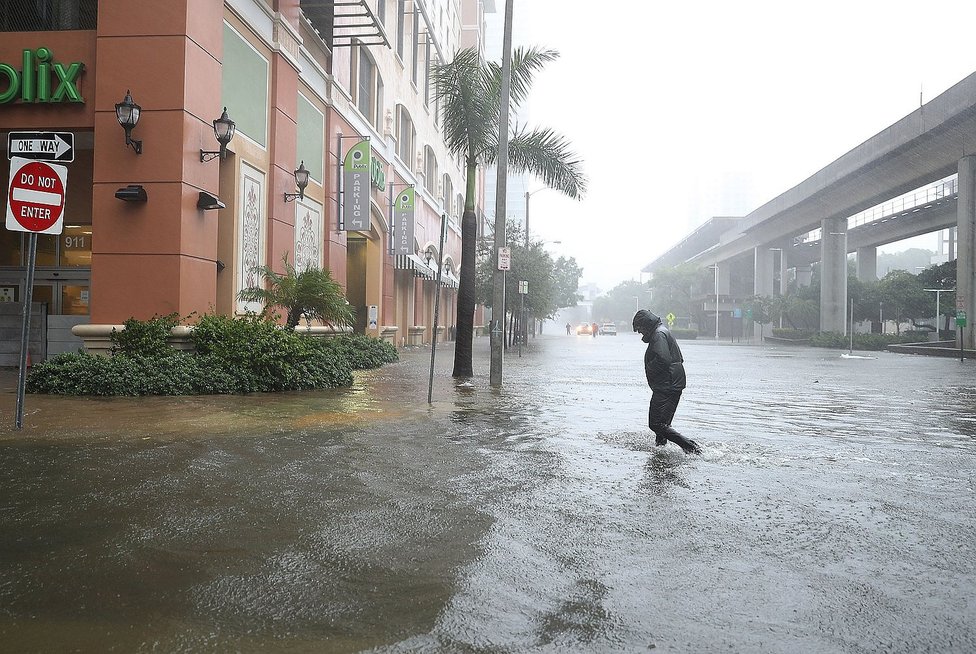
[369, 89]
[448, 194]
[430, 168]
[406, 136]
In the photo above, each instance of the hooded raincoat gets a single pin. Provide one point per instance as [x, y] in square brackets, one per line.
[663, 363]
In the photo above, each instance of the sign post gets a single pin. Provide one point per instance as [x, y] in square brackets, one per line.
[960, 323]
[35, 204]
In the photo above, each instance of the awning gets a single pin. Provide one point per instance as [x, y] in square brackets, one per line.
[414, 264]
[448, 279]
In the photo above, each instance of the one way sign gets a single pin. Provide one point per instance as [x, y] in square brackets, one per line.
[43, 146]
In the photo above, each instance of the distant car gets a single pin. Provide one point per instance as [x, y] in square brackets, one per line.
[608, 329]
[584, 329]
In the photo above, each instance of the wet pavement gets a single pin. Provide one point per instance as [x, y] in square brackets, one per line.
[833, 510]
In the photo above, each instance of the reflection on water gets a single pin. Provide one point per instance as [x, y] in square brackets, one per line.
[539, 515]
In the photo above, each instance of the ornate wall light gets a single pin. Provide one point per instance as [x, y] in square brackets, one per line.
[224, 129]
[127, 112]
[301, 181]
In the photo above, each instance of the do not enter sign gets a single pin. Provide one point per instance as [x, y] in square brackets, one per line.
[35, 199]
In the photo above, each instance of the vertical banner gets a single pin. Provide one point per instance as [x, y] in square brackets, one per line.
[403, 216]
[355, 188]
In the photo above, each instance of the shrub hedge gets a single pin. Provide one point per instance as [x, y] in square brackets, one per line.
[861, 341]
[684, 333]
[243, 355]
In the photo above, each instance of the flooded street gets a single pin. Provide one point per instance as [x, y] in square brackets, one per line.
[834, 510]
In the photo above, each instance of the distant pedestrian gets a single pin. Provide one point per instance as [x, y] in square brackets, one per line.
[594, 329]
[569, 329]
[665, 371]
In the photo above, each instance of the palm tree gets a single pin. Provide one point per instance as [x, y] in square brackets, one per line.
[311, 292]
[469, 92]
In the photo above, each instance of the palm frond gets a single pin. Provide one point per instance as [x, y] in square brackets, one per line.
[467, 105]
[548, 156]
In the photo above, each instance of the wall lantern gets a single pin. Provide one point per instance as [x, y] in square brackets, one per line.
[132, 193]
[128, 112]
[301, 181]
[209, 202]
[224, 129]
[429, 253]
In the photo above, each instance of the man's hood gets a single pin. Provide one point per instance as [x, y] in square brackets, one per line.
[645, 321]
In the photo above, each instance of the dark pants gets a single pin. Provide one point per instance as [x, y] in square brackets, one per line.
[659, 416]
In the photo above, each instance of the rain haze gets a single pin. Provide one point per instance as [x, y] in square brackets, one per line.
[683, 112]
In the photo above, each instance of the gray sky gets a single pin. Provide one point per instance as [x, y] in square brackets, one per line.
[682, 111]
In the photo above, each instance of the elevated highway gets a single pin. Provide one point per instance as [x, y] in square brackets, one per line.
[931, 144]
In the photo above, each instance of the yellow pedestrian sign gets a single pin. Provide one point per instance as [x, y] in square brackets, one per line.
[670, 318]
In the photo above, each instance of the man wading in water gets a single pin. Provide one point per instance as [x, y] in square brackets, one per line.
[665, 370]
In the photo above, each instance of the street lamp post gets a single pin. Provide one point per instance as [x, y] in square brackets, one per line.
[498, 276]
[938, 294]
[715, 267]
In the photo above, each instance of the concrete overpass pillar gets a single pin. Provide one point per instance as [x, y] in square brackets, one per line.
[763, 277]
[804, 276]
[833, 280]
[783, 281]
[966, 244]
[764, 271]
[867, 264]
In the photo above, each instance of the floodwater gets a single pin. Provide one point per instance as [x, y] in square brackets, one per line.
[833, 510]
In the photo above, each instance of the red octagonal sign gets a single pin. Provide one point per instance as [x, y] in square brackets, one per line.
[35, 199]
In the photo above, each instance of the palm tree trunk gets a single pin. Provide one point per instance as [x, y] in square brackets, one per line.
[466, 296]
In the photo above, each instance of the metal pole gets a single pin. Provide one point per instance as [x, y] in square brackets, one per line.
[501, 188]
[852, 326]
[25, 327]
[716, 302]
[437, 305]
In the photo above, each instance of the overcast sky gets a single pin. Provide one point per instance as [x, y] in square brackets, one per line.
[686, 110]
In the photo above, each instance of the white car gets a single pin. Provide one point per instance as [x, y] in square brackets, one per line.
[608, 329]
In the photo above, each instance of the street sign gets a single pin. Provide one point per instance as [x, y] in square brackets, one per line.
[670, 318]
[35, 199]
[42, 146]
[961, 318]
[504, 258]
[523, 287]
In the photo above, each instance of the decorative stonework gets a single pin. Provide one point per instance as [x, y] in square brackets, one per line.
[308, 235]
[250, 233]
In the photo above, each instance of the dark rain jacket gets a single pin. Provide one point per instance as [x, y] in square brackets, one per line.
[663, 363]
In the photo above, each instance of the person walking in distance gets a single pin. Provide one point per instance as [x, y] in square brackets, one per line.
[665, 370]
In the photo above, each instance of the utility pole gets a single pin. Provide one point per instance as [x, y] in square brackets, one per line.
[497, 327]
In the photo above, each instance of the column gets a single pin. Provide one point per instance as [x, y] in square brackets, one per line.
[804, 276]
[833, 280]
[763, 284]
[161, 256]
[966, 244]
[867, 264]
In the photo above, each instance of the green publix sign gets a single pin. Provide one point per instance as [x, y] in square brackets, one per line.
[40, 79]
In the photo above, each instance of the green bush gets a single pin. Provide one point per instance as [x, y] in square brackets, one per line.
[684, 333]
[793, 334]
[244, 355]
[145, 338]
[874, 342]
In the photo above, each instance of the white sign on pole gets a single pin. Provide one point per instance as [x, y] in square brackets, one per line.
[504, 258]
[35, 196]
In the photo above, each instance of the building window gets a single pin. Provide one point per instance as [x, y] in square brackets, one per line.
[406, 135]
[427, 73]
[401, 27]
[448, 193]
[48, 15]
[430, 168]
[369, 89]
[416, 45]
